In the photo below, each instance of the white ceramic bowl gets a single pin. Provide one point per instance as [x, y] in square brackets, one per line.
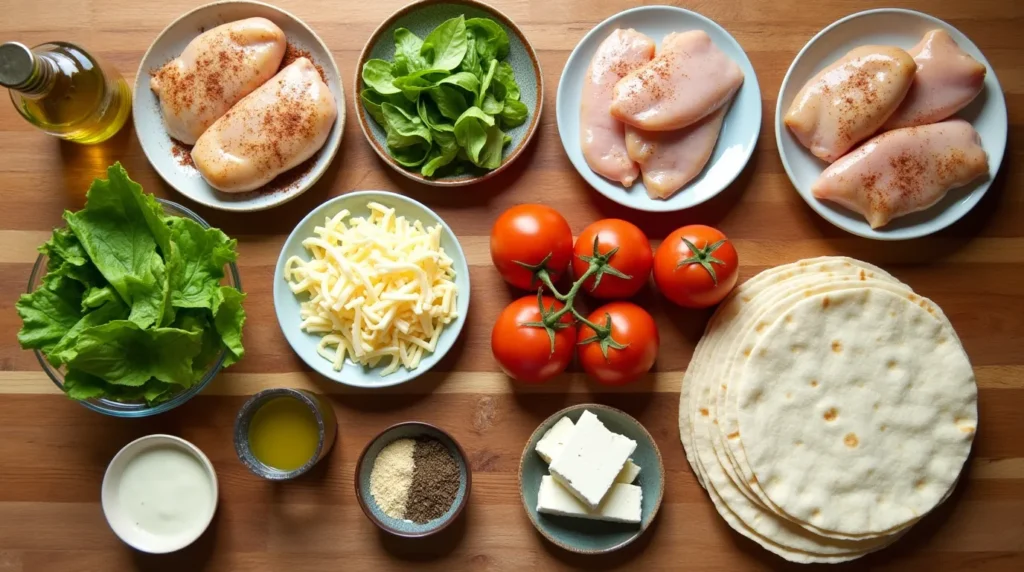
[739, 132]
[157, 145]
[286, 304]
[122, 524]
[902, 28]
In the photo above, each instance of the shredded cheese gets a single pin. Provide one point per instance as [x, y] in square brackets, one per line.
[379, 288]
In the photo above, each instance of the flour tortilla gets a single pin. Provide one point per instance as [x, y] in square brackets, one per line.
[880, 440]
[776, 534]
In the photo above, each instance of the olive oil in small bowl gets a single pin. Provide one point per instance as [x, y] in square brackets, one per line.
[282, 433]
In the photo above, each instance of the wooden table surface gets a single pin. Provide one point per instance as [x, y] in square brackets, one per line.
[53, 452]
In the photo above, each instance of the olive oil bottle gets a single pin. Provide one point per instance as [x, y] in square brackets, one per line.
[65, 91]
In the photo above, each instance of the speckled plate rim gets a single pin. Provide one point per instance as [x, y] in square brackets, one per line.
[463, 180]
[295, 338]
[852, 222]
[528, 450]
[390, 529]
[327, 152]
[744, 113]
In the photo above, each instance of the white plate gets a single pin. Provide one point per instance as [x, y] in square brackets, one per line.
[123, 525]
[904, 29]
[149, 124]
[286, 304]
[739, 132]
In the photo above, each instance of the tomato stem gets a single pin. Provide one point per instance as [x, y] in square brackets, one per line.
[703, 256]
[598, 265]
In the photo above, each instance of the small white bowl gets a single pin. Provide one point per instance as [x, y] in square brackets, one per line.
[904, 29]
[121, 523]
[739, 131]
[157, 144]
[287, 304]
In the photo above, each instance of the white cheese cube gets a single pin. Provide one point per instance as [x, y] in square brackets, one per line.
[592, 458]
[621, 504]
[554, 439]
[628, 473]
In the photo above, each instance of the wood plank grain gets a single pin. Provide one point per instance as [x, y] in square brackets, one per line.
[55, 452]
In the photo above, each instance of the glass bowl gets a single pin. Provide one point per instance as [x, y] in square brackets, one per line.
[138, 409]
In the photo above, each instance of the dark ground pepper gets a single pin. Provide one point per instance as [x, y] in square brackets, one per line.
[435, 482]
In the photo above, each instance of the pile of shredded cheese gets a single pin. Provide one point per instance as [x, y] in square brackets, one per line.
[379, 287]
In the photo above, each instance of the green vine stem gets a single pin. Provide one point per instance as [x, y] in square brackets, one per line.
[551, 320]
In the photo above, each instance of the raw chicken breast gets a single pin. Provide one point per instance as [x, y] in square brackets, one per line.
[217, 69]
[850, 99]
[671, 159]
[947, 79]
[904, 171]
[601, 136]
[689, 79]
[281, 124]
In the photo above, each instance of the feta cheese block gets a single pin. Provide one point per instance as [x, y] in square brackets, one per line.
[554, 439]
[592, 458]
[628, 473]
[621, 504]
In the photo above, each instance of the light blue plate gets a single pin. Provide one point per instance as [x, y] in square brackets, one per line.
[286, 304]
[904, 29]
[739, 132]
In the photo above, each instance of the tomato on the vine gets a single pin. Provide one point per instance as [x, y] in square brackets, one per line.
[524, 348]
[629, 264]
[528, 237]
[696, 266]
[625, 347]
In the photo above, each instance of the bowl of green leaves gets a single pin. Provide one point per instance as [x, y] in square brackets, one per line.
[135, 305]
[450, 91]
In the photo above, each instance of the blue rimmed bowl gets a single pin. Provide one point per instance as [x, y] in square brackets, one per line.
[136, 408]
[364, 468]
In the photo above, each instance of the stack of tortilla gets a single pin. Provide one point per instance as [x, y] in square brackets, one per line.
[827, 409]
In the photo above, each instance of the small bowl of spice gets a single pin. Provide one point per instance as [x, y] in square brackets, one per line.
[412, 479]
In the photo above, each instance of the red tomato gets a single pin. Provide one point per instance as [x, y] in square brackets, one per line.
[525, 352]
[696, 266]
[633, 258]
[527, 234]
[633, 329]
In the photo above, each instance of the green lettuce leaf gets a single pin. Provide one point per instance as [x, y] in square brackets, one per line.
[201, 254]
[49, 312]
[122, 353]
[229, 317]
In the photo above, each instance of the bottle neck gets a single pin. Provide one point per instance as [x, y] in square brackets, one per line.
[42, 78]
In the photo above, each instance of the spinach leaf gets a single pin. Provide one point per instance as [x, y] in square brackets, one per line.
[427, 110]
[504, 85]
[445, 46]
[404, 129]
[464, 80]
[407, 52]
[471, 132]
[486, 83]
[471, 62]
[450, 101]
[491, 39]
[490, 154]
[491, 105]
[445, 150]
[513, 114]
[379, 75]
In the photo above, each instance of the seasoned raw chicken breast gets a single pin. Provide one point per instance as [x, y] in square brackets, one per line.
[904, 171]
[947, 80]
[601, 135]
[849, 100]
[281, 124]
[671, 159]
[217, 69]
[689, 79]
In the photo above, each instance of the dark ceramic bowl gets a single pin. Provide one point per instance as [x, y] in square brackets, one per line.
[590, 536]
[405, 528]
[422, 17]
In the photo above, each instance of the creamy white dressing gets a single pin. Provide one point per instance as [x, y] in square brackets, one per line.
[165, 491]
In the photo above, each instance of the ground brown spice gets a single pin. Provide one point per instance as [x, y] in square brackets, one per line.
[182, 153]
[435, 482]
[292, 53]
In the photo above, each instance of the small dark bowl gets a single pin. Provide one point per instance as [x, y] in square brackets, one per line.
[398, 527]
[422, 17]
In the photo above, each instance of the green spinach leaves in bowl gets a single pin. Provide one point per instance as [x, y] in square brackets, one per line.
[447, 100]
[131, 308]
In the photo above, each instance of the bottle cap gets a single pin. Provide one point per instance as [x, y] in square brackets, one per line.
[17, 63]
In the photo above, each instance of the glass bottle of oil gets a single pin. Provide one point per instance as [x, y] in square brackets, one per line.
[65, 91]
